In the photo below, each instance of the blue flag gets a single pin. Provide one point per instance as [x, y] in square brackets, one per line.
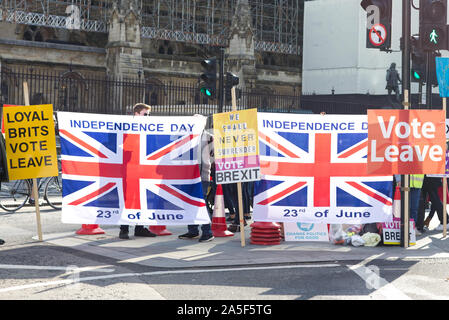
[442, 66]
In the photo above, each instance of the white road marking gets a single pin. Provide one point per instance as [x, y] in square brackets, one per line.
[373, 280]
[50, 268]
[156, 273]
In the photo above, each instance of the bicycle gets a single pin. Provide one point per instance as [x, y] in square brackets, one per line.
[15, 194]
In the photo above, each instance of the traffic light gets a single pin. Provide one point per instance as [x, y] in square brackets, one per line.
[433, 68]
[418, 66]
[433, 24]
[208, 85]
[379, 14]
[231, 81]
[418, 69]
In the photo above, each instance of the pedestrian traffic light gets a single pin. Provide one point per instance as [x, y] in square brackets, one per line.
[433, 24]
[231, 81]
[208, 85]
[379, 14]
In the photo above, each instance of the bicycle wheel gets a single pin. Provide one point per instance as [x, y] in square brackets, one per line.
[53, 192]
[14, 194]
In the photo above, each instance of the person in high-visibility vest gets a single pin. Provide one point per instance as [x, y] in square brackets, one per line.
[415, 184]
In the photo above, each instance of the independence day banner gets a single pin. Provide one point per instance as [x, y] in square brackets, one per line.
[131, 170]
[314, 169]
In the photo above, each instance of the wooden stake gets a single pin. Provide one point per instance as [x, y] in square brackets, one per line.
[405, 185]
[239, 184]
[26, 98]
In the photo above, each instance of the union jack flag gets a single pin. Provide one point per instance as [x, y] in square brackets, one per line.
[113, 175]
[318, 175]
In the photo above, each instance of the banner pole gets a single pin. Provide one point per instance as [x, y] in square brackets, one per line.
[405, 214]
[26, 98]
[239, 184]
[444, 189]
[406, 34]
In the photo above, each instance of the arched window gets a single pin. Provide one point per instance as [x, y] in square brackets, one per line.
[154, 91]
[71, 91]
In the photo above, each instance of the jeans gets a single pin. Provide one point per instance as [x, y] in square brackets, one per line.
[414, 203]
[205, 228]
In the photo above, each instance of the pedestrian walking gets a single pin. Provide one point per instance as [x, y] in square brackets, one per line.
[430, 188]
[393, 80]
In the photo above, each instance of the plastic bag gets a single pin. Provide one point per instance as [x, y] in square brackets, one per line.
[357, 240]
[354, 228]
[337, 235]
[371, 239]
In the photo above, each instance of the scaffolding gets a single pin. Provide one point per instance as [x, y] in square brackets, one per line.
[276, 23]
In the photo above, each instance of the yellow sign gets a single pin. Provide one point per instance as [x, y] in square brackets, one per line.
[236, 146]
[30, 141]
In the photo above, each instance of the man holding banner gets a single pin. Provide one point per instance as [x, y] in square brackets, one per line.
[122, 170]
[140, 109]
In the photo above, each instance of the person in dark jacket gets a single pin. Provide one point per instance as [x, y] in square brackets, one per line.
[393, 80]
[430, 188]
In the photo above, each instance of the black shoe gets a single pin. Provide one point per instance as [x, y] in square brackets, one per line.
[2, 242]
[206, 238]
[142, 232]
[189, 235]
[123, 235]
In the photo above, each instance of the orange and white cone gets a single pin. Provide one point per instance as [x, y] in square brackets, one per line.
[219, 227]
[397, 203]
[160, 230]
[90, 229]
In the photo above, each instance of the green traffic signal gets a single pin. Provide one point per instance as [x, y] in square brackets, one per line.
[206, 91]
[416, 75]
[434, 37]
[208, 78]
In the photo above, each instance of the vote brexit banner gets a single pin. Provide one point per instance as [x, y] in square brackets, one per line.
[314, 169]
[131, 170]
[236, 146]
[30, 141]
[406, 142]
[392, 235]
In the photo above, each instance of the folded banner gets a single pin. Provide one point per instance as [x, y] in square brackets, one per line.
[131, 170]
[442, 68]
[314, 169]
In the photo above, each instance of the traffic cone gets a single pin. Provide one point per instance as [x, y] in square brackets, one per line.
[219, 227]
[397, 203]
[160, 230]
[265, 233]
[90, 229]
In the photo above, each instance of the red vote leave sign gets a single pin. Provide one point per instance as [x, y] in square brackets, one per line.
[406, 142]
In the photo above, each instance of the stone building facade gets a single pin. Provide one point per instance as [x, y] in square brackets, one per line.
[120, 51]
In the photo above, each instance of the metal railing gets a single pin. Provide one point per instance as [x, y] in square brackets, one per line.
[98, 93]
